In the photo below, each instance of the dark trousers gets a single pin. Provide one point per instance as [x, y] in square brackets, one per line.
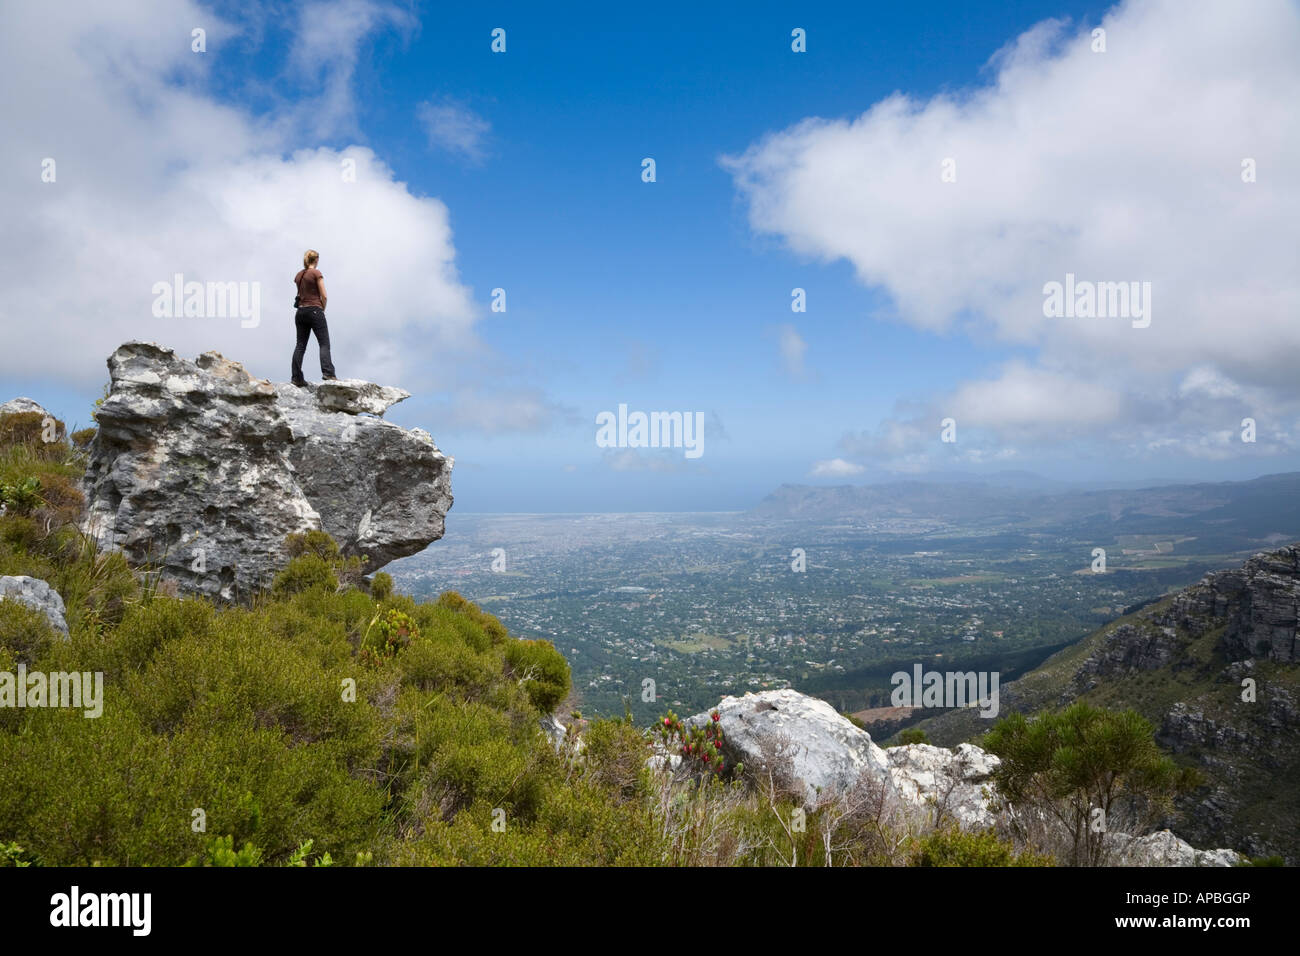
[311, 319]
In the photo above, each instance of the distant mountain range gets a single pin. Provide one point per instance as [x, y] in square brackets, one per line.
[1223, 516]
[1025, 480]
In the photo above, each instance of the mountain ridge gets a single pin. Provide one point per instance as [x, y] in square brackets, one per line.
[1213, 666]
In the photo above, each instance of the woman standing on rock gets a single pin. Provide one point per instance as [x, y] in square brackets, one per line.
[310, 318]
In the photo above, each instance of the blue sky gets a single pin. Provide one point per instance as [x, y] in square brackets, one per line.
[675, 295]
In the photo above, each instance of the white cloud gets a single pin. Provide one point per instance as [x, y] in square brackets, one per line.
[454, 128]
[325, 52]
[1115, 166]
[835, 468]
[792, 348]
[157, 177]
[1023, 397]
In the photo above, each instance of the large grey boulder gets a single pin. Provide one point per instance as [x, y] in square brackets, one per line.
[37, 595]
[20, 406]
[825, 752]
[202, 471]
[799, 736]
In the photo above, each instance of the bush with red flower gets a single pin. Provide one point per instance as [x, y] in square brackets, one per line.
[700, 747]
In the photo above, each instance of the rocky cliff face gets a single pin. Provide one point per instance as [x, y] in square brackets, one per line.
[1256, 603]
[1213, 667]
[202, 471]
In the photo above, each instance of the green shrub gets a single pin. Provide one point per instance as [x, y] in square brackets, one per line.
[318, 543]
[304, 573]
[542, 671]
[913, 735]
[144, 628]
[468, 751]
[493, 628]
[22, 497]
[24, 631]
[436, 664]
[389, 631]
[954, 847]
[220, 851]
[11, 854]
[615, 757]
[300, 856]
[29, 428]
[381, 586]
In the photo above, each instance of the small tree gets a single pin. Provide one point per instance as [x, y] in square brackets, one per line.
[1084, 771]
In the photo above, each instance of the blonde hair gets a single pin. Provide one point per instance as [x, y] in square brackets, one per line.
[310, 258]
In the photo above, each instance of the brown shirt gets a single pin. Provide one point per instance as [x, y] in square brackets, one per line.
[309, 287]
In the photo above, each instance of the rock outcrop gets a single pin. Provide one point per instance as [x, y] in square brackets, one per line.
[23, 406]
[1259, 602]
[799, 737]
[37, 595]
[201, 471]
[814, 748]
[807, 746]
[1163, 848]
[554, 730]
[951, 784]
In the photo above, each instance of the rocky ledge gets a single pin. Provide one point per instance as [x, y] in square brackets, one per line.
[201, 470]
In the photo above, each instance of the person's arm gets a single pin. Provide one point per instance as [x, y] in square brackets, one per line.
[320, 287]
